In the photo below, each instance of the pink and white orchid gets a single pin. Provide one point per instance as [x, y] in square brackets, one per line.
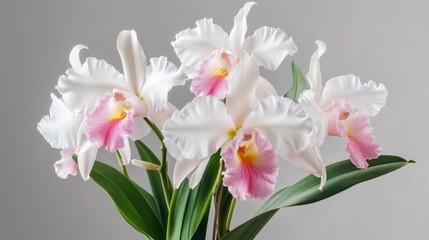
[119, 115]
[121, 101]
[206, 124]
[209, 55]
[342, 108]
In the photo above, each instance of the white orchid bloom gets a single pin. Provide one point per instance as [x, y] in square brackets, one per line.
[209, 55]
[206, 124]
[341, 108]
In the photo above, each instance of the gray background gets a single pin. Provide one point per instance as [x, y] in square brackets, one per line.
[386, 41]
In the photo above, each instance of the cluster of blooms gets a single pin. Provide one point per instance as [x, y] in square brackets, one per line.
[235, 109]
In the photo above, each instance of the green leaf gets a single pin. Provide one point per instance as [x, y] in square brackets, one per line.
[201, 231]
[225, 208]
[133, 203]
[189, 206]
[341, 176]
[299, 83]
[155, 181]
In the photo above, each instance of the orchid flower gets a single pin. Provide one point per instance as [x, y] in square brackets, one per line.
[64, 127]
[342, 108]
[115, 104]
[119, 115]
[242, 127]
[209, 55]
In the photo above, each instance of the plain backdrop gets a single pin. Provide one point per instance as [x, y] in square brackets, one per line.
[381, 40]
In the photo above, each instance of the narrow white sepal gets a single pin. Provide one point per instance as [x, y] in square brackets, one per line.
[133, 60]
[314, 75]
[239, 30]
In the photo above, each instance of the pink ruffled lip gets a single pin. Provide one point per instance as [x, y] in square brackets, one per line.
[212, 74]
[111, 121]
[355, 128]
[251, 166]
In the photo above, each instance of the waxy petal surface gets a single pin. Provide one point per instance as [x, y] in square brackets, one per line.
[61, 126]
[239, 30]
[283, 123]
[368, 97]
[200, 128]
[161, 76]
[193, 45]
[133, 60]
[81, 88]
[270, 46]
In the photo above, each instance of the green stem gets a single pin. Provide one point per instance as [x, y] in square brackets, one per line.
[166, 183]
[218, 200]
[230, 212]
[121, 164]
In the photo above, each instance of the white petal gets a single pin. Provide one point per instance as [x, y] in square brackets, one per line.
[140, 129]
[159, 117]
[74, 57]
[239, 29]
[243, 80]
[161, 76]
[270, 46]
[81, 89]
[61, 127]
[198, 174]
[173, 150]
[200, 128]
[314, 77]
[283, 123]
[193, 45]
[182, 169]
[265, 89]
[310, 161]
[367, 97]
[86, 158]
[319, 118]
[133, 60]
[125, 152]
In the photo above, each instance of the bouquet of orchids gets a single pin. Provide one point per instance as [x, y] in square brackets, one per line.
[227, 140]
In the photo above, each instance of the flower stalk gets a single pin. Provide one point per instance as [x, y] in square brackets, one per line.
[121, 164]
[166, 183]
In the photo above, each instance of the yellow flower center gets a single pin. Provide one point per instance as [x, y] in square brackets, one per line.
[221, 72]
[247, 152]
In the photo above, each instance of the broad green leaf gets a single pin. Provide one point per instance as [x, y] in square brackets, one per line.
[225, 208]
[154, 177]
[201, 231]
[134, 203]
[341, 176]
[189, 206]
[299, 83]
